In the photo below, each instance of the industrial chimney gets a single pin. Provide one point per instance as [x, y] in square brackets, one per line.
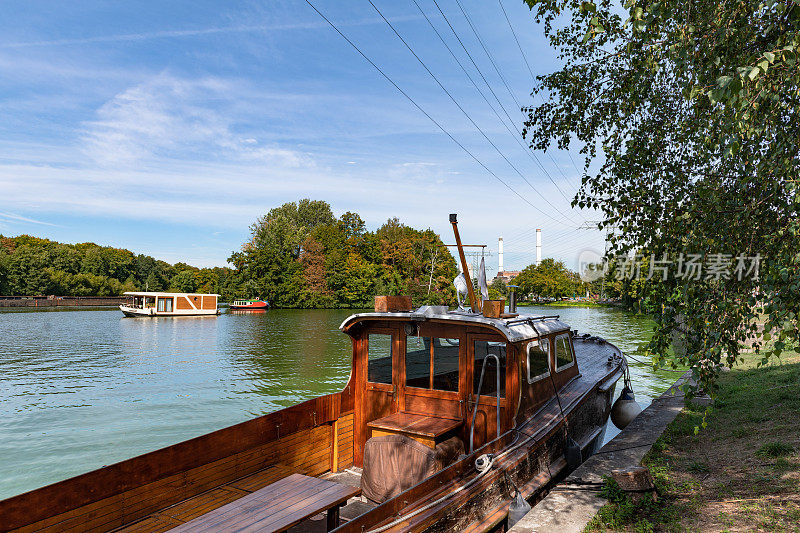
[538, 246]
[500, 253]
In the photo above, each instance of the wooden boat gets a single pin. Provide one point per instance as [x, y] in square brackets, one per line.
[446, 415]
[246, 305]
[169, 304]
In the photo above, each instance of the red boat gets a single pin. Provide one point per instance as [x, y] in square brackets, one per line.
[249, 304]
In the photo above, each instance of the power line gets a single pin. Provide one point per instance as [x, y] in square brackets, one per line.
[515, 38]
[489, 86]
[530, 239]
[491, 59]
[533, 78]
[558, 245]
[452, 98]
[438, 125]
[515, 134]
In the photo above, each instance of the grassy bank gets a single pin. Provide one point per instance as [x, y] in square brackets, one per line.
[740, 473]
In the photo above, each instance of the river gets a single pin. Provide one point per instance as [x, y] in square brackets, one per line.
[80, 389]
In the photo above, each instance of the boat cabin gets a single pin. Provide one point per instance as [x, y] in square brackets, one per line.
[169, 304]
[435, 374]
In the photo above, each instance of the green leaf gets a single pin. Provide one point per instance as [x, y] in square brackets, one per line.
[770, 57]
[723, 81]
[753, 74]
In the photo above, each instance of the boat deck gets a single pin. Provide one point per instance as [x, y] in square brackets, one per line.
[196, 506]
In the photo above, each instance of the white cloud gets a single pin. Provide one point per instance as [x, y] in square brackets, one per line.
[172, 118]
[18, 218]
[171, 34]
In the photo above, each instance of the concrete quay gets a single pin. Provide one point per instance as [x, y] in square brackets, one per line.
[573, 503]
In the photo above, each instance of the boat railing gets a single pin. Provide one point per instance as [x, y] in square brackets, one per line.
[531, 319]
[478, 397]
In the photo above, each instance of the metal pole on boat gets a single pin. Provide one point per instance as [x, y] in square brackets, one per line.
[464, 268]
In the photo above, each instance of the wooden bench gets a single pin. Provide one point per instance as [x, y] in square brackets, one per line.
[429, 430]
[277, 507]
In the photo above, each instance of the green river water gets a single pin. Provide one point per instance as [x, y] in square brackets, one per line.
[80, 389]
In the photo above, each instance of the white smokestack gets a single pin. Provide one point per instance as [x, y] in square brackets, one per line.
[500, 253]
[538, 246]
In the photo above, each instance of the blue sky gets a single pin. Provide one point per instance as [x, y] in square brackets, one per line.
[169, 127]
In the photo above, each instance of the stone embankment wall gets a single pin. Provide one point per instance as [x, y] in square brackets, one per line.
[59, 301]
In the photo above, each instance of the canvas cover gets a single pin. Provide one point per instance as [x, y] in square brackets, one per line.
[394, 463]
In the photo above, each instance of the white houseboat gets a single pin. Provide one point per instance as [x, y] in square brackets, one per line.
[169, 304]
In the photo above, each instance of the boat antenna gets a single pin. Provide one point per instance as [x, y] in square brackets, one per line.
[470, 290]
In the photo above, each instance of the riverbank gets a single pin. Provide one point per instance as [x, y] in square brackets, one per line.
[570, 303]
[61, 301]
[740, 473]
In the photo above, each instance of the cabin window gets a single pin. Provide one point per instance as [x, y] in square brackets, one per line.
[161, 304]
[432, 363]
[379, 364]
[482, 350]
[538, 360]
[168, 305]
[564, 355]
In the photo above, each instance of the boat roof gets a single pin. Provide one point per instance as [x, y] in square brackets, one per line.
[169, 294]
[519, 328]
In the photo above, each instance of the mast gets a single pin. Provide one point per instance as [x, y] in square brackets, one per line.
[472, 300]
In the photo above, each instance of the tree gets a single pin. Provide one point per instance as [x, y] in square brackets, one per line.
[498, 289]
[550, 279]
[690, 110]
[4, 286]
[315, 291]
[183, 281]
[31, 265]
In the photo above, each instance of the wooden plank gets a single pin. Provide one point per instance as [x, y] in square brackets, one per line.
[299, 511]
[262, 478]
[202, 503]
[240, 509]
[424, 426]
[151, 524]
[276, 507]
[335, 447]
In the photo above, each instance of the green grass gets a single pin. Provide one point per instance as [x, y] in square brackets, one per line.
[740, 472]
[775, 449]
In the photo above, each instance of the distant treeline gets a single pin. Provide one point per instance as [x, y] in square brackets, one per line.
[34, 266]
[298, 255]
